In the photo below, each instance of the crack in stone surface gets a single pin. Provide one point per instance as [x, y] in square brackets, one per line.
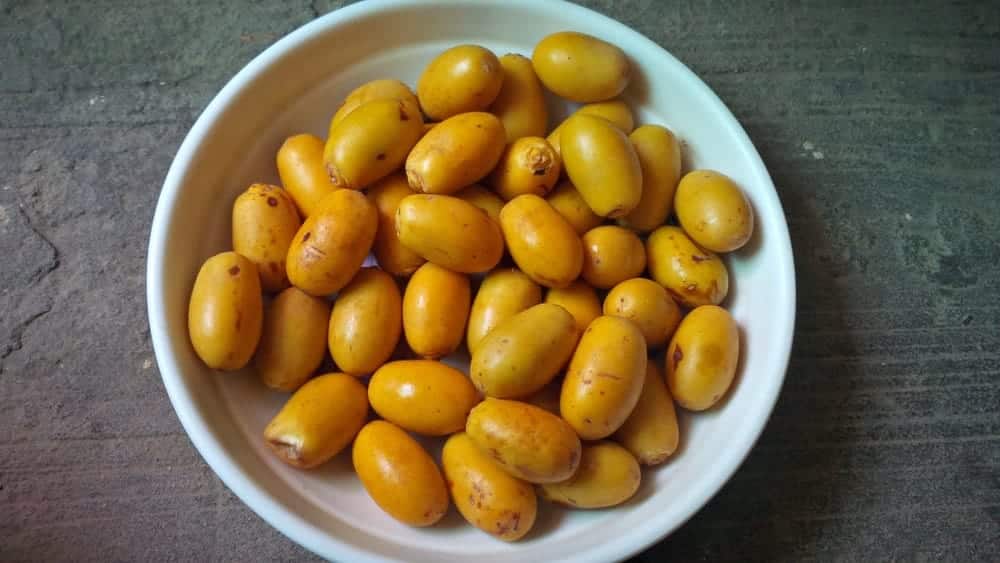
[15, 342]
[52, 264]
[44, 259]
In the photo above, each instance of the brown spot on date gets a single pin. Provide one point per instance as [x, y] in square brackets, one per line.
[234, 271]
[272, 201]
[678, 355]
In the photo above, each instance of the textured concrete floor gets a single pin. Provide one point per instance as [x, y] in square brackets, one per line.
[880, 123]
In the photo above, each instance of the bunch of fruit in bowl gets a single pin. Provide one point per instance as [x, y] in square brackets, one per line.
[547, 253]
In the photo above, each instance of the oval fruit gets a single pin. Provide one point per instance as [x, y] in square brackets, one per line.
[611, 255]
[524, 352]
[483, 199]
[462, 79]
[528, 442]
[702, 357]
[580, 300]
[660, 159]
[541, 242]
[529, 165]
[382, 89]
[371, 142]
[459, 151]
[604, 378]
[616, 111]
[520, 105]
[568, 202]
[651, 433]
[648, 305]
[502, 294]
[332, 243]
[422, 396]
[399, 475]
[435, 308]
[713, 211]
[602, 164]
[225, 312]
[366, 321]
[392, 255]
[580, 67]
[264, 224]
[692, 275]
[608, 475]
[306, 431]
[488, 497]
[293, 341]
[302, 172]
[449, 232]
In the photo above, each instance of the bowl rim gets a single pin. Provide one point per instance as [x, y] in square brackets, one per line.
[263, 504]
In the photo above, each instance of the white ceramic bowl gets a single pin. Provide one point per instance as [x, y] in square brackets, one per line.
[295, 86]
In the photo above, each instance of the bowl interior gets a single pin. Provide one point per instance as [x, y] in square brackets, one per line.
[295, 87]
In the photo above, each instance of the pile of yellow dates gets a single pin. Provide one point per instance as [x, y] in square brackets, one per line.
[529, 249]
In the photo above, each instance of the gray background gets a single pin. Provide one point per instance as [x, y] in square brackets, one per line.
[881, 128]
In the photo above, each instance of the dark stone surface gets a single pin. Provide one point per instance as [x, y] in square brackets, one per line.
[880, 123]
